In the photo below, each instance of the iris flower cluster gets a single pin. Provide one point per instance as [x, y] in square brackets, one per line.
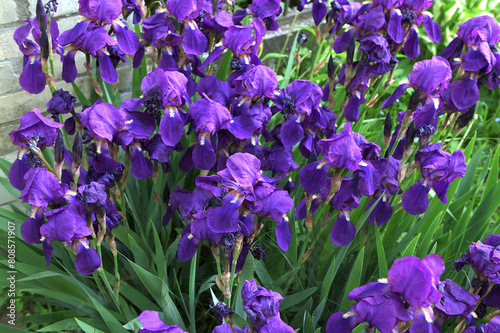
[243, 129]
[261, 306]
[414, 298]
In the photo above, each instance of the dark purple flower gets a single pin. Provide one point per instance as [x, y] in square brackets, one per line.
[244, 40]
[226, 328]
[415, 200]
[430, 85]
[87, 259]
[103, 121]
[416, 280]
[378, 306]
[18, 170]
[257, 82]
[33, 78]
[439, 169]
[42, 188]
[36, 130]
[456, 300]
[343, 231]
[30, 230]
[376, 49]
[62, 102]
[208, 116]
[92, 195]
[341, 323]
[341, 150]
[484, 258]
[131, 6]
[151, 323]
[259, 303]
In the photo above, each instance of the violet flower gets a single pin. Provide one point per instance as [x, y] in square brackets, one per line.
[33, 78]
[208, 118]
[35, 130]
[296, 102]
[484, 258]
[91, 37]
[439, 169]
[186, 11]
[165, 91]
[262, 307]
[151, 323]
[430, 85]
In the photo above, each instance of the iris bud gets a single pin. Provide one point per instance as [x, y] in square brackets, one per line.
[40, 15]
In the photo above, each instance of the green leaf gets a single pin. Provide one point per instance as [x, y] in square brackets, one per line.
[493, 173]
[295, 299]
[289, 65]
[482, 214]
[9, 329]
[382, 261]
[273, 55]
[87, 328]
[159, 290]
[410, 249]
[308, 322]
[5, 166]
[223, 70]
[80, 95]
[353, 281]
[326, 285]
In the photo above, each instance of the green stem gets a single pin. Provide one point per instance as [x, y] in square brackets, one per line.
[286, 40]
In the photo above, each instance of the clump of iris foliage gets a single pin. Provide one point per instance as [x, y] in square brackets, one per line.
[349, 185]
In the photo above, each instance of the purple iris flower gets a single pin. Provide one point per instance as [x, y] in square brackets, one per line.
[65, 224]
[259, 303]
[91, 37]
[262, 307]
[341, 12]
[356, 86]
[375, 305]
[296, 102]
[430, 85]
[62, 102]
[266, 10]
[456, 300]
[87, 259]
[36, 130]
[244, 41]
[341, 150]
[226, 328]
[151, 323]
[33, 78]
[480, 35]
[208, 118]
[439, 169]
[484, 258]
[164, 91]
[417, 280]
[186, 11]
[158, 29]
[388, 170]
[403, 19]
[42, 188]
[103, 121]
[30, 230]
[131, 6]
